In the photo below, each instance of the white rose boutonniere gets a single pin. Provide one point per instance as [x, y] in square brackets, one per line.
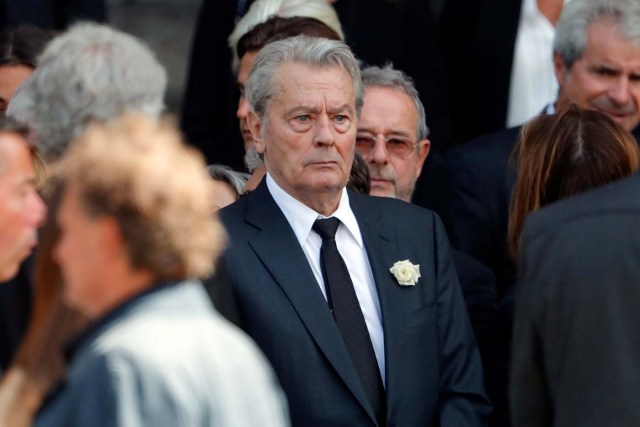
[406, 274]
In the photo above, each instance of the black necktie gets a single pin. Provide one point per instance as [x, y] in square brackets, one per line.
[348, 315]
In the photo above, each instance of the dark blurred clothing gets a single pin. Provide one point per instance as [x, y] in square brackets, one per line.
[576, 342]
[478, 41]
[51, 14]
[15, 312]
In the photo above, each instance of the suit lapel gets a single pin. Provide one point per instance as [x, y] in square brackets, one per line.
[290, 268]
[382, 250]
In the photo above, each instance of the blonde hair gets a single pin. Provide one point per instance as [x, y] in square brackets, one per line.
[138, 171]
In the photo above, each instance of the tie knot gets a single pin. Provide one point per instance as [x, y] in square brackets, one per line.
[326, 228]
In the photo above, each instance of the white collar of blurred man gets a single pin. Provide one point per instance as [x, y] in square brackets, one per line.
[605, 78]
[22, 210]
[388, 141]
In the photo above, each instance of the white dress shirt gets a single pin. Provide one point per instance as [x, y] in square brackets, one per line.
[351, 247]
[533, 81]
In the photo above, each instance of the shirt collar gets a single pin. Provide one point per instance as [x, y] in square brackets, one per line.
[301, 217]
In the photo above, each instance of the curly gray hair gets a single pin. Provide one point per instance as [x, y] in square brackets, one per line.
[92, 72]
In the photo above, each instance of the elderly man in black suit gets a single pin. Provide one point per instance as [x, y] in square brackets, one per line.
[576, 341]
[392, 138]
[353, 299]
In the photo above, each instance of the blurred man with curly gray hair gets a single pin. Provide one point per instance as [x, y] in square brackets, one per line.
[92, 72]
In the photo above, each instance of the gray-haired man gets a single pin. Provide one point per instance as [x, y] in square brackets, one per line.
[353, 340]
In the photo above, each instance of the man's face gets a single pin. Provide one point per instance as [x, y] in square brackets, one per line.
[79, 253]
[308, 133]
[390, 115]
[246, 63]
[606, 78]
[21, 209]
[11, 76]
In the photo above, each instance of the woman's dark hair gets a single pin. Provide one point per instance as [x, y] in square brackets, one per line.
[565, 154]
[277, 28]
[23, 45]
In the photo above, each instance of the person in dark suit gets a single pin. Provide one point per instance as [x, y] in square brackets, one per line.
[576, 338]
[595, 60]
[392, 137]
[353, 299]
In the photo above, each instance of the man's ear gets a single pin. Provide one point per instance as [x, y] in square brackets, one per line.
[255, 127]
[423, 151]
[560, 69]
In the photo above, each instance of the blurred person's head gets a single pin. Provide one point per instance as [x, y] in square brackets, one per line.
[597, 58]
[262, 10]
[136, 210]
[276, 28]
[91, 72]
[562, 155]
[228, 185]
[392, 132]
[19, 51]
[21, 209]
[305, 95]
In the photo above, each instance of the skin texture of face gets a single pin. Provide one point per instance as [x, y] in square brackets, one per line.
[80, 253]
[223, 194]
[246, 63]
[11, 76]
[21, 209]
[308, 133]
[606, 78]
[389, 113]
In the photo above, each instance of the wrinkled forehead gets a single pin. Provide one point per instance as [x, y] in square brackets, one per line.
[294, 80]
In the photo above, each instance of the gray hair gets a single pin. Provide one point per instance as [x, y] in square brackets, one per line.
[261, 10]
[91, 72]
[570, 40]
[252, 159]
[391, 78]
[315, 52]
[236, 180]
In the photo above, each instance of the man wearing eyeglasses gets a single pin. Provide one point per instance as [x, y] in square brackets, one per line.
[392, 112]
[392, 138]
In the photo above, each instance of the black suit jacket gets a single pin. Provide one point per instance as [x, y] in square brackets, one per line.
[433, 371]
[576, 340]
[478, 41]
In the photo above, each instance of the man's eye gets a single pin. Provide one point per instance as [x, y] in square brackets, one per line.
[303, 118]
[340, 118]
[241, 90]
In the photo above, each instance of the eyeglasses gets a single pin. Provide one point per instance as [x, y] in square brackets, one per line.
[395, 146]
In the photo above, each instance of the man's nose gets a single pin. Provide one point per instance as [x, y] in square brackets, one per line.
[38, 210]
[325, 132]
[243, 108]
[379, 154]
[619, 92]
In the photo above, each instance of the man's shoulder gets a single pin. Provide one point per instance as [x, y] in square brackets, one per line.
[611, 201]
[397, 210]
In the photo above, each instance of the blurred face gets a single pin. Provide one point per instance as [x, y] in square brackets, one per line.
[606, 78]
[78, 252]
[11, 76]
[308, 133]
[21, 209]
[387, 141]
[223, 194]
[243, 105]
